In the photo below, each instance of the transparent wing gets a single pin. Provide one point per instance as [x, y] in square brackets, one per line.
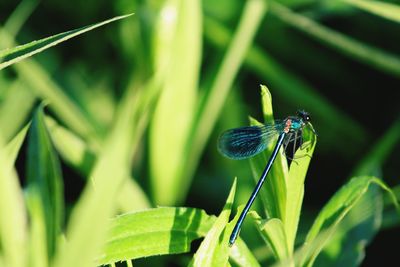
[245, 142]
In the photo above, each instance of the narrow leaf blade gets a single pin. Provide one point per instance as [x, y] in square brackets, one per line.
[13, 55]
[44, 175]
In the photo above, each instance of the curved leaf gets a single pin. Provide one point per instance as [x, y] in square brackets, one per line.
[241, 255]
[154, 232]
[273, 232]
[13, 55]
[333, 213]
[214, 250]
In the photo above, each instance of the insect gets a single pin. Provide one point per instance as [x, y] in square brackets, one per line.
[245, 142]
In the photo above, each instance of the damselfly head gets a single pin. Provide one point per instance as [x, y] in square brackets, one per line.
[304, 115]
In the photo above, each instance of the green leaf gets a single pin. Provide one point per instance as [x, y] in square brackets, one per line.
[273, 192]
[383, 9]
[89, 220]
[13, 55]
[13, 229]
[283, 191]
[241, 255]
[154, 232]
[214, 250]
[38, 253]
[333, 213]
[81, 156]
[209, 107]
[44, 175]
[17, 18]
[15, 109]
[355, 232]
[71, 147]
[13, 147]
[273, 232]
[178, 51]
[295, 186]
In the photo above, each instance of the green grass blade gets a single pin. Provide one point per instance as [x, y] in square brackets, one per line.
[355, 232]
[178, 51]
[295, 187]
[241, 255]
[73, 150]
[214, 250]
[89, 220]
[44, 176]
[273, 192]
[13, 229]
[333, 213]
[154, 232]
[38, 253]
[13, 147]
[362, 52]
[273, 232]
[385, 10]
[81, 156]
[13, 55]
[210, 108]
[15, 109]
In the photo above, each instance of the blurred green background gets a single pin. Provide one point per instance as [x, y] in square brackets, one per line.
[338, 61]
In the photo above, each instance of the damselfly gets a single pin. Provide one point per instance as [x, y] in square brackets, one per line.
[245, 142]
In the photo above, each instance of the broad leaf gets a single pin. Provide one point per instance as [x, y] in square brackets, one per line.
[154, 232]
[178, 54]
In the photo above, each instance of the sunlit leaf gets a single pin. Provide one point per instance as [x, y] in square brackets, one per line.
[13, 221]
[154, 232]
[38, 252]
[211, 104]
[386, 10]
[214, 250]
[178, 57]
[273, 232]
[13, 55]
[241, 255]
[273, 193]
